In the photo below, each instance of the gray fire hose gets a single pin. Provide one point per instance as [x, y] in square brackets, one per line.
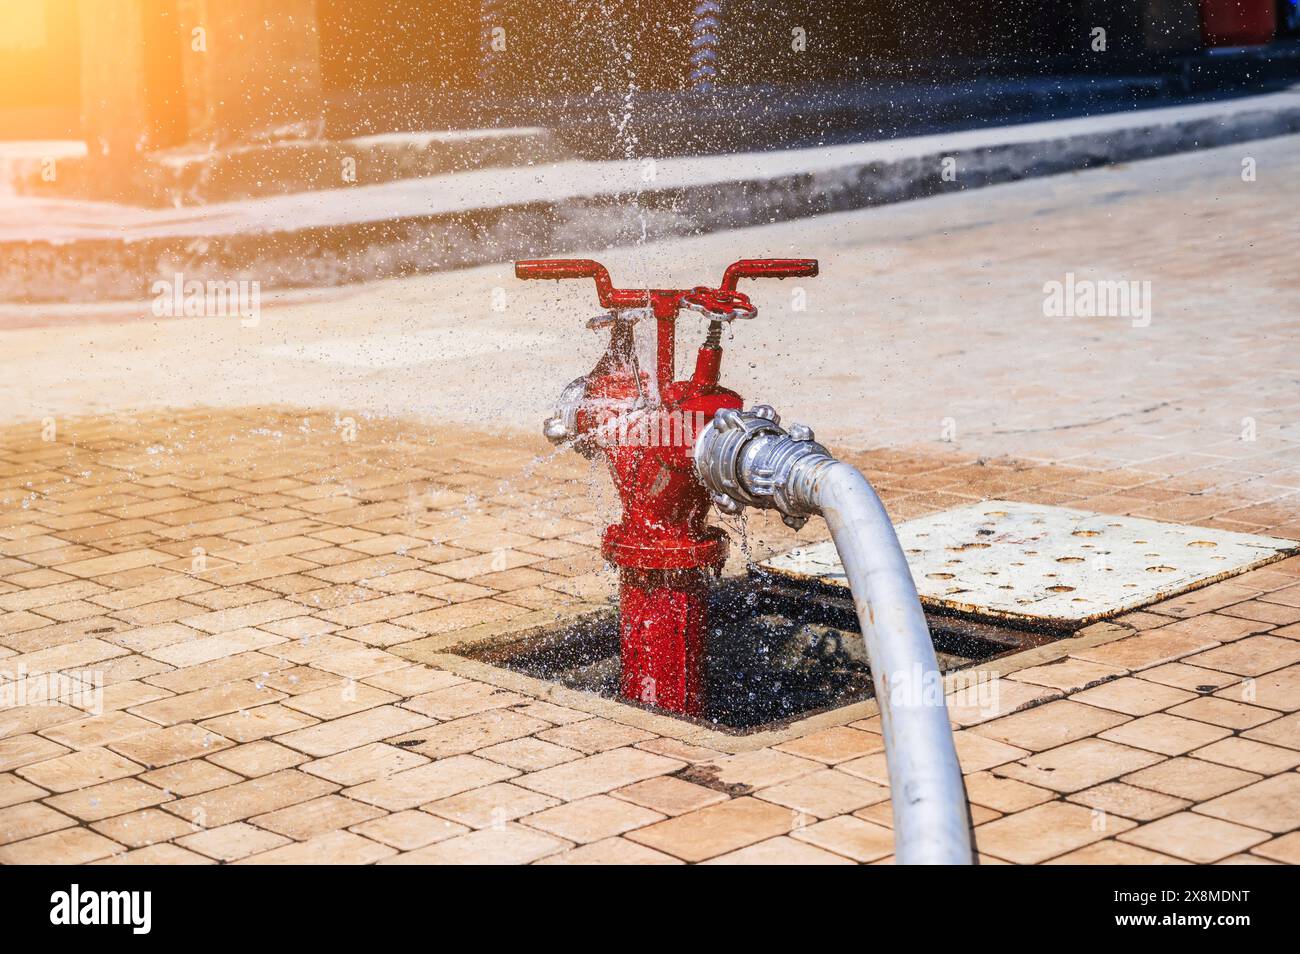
[745, 458]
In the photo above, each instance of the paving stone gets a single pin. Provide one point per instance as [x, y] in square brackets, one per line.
[669, 795]
[1011, 697]
[1050, 725]
[207, 703]
[510, 845]
[470, 732]
[976, 753]
[779, 851]
[1067, 674]
[852, 837]
[409, 829]
[176, 743]
[153, 855]
[1166, 734]
[309, 819]
[1247, 754]
[429, 783]
[528, 754]
[1135, 697]
[715, 830]
[29, 819]
[1114, 853]
[1191, 778]
[71, 846]
[142, 828]
[611, 851]
[1284, 731]
[594, 735]
[598, 773]
[1218, 626]
[249, 725]
[549, 712]
[824, 793]
[1077, 765]
[19, 750]
[676, 749]
[592, 819]
[1253, 656]
[1128, 801]
[192, 652]
[15, 790]
[365, 763]
[834, 745]
[491, 805]
[97, 730]
[258, 758]
[282, 641]
[1222, 712]
[75, 770]
[232, 842]
[1004, 795]
[1194, 837]
[348, 732]
[1043, 832]
[1285, 849]
[190, 778]
[112, 798]
[1272, 804]
[247, 798]
[342, 697]
[332, 848]
[873, 768]
[1279, 690]
[464, 699]
[413, 680]
[1151, 648]
[749, 771]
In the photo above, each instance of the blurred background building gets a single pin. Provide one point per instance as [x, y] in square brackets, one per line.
[137, 79]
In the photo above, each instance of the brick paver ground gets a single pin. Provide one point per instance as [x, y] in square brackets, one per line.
[245, 582]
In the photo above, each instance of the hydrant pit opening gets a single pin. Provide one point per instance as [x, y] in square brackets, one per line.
[774, 652]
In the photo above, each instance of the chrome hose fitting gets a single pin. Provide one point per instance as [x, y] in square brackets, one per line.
[745, 458]
[561, 428]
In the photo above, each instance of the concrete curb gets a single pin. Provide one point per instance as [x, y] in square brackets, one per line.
[68, 252]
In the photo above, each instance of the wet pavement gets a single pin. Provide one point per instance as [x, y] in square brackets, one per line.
[258, 596]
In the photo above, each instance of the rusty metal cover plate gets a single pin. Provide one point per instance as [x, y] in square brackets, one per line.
[1050, 566]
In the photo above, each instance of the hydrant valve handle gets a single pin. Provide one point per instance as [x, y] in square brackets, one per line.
[718, 304]
[559, 268]
[768, 268]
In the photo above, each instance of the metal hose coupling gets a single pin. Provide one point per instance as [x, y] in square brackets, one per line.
[745, 458]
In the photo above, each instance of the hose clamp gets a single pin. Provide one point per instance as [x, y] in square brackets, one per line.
[745, 458]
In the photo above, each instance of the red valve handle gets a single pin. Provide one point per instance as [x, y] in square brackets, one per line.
[719, 304]
[558, 268]
[768, 268]
[611, 297]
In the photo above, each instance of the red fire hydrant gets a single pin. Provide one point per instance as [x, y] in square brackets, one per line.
[645, 426]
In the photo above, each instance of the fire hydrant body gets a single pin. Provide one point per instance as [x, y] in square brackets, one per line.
[663, 547]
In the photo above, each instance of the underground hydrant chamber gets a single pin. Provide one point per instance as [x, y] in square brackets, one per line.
[776, 652]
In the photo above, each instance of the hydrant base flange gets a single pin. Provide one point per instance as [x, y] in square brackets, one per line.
[710, 552]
